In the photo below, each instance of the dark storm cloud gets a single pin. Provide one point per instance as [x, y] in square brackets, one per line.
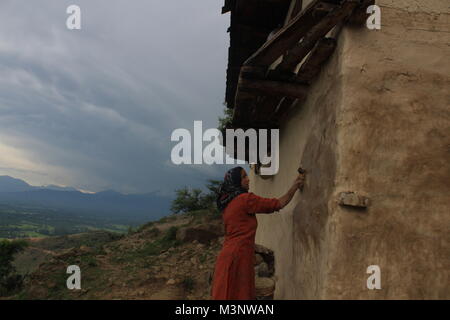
[95, 108]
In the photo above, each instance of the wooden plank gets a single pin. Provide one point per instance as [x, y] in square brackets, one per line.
[283, 108]
[308, 71]
[297, 7]
[313, 64]
[295, 55]
[272, 108]
[277, 97]
[288, 36]
[294, 8]
[265, 107]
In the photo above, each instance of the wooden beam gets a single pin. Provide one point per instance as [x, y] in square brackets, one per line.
[273, 107]
[297, 7]
[243, 105]
[283, 108]
[308, 71]
[266, 97]
[264, 107]
[359, 15]
[294, 8]
[295, 55]
[288, 36]
[245, 98]
[315, 60]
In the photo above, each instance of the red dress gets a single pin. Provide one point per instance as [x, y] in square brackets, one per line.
[234, 274]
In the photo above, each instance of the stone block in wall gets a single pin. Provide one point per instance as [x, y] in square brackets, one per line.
[353, 199]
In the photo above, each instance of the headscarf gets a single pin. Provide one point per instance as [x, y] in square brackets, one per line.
[230, 188]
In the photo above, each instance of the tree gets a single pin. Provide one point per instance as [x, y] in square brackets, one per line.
[208, 201]
[186, 200]
[9, 280]
[226, 120]
[191, 200]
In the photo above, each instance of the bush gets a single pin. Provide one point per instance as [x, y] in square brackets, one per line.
[9, 280]
[154, 232]
[225, 121]
[188, 283]
[171, 234]
[202, 258]
[192, 200]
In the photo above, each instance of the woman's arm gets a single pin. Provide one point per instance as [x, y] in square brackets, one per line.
[255, 204]
[284, 200]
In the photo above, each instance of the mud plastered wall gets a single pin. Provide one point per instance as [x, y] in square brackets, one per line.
[377, 122]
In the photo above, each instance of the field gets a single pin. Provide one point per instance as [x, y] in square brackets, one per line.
[36, 222]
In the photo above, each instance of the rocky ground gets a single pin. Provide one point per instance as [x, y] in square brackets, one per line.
[172, 258]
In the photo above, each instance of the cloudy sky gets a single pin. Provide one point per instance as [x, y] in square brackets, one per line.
[95, 108]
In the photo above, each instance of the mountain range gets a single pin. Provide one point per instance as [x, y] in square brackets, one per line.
[108, 204]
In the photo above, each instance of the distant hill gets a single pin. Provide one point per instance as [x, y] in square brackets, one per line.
[10, 184]
[108, 204]
[57, 188]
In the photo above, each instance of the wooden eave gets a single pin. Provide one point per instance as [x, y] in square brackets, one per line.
[263, 94]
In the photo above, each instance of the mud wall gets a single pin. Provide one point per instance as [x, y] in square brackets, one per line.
[394, 146]
[376, 121]
[297, 234]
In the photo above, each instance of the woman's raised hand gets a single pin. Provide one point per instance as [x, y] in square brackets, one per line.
[298, 184]
[299, 181]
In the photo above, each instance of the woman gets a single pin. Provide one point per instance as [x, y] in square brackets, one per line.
[234, 274]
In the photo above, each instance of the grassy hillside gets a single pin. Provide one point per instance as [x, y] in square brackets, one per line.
[151, 262]
[172, 258]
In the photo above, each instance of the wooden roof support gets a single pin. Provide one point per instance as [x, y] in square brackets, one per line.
[289, 35]
[241, 114]
[310, 26]
[263, 111]
[308, 71]
[295, 55]
[272, 108]
[297, 7]
[313, 64]
[359, 16]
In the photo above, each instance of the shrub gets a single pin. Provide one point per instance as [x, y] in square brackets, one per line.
[202, 258]
[186, 200]
[171, 234]
[153, 232]
[188, 283]
[9, 280]
[225, 121]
